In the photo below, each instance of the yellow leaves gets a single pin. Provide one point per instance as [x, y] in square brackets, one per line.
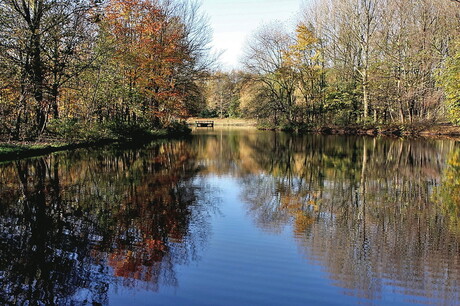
[304, 54]
[8, 96]
[305, 38]
[302, 222]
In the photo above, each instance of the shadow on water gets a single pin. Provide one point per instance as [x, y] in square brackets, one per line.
[72, 224]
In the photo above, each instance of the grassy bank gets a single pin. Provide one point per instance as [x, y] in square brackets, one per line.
[225, 121]
[401, 130]
[18, 150]
[398, 130]
[13, 150]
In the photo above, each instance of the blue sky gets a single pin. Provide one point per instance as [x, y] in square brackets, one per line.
[233, 21]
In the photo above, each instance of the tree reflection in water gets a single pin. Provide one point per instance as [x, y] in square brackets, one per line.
[376, 214]
[72, 224]
[448, 193]
[364, 208]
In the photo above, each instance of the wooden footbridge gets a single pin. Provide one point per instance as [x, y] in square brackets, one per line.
[204, 123]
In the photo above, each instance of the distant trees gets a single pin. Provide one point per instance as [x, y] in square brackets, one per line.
[221, 94]
[356, 61]
[95, 61]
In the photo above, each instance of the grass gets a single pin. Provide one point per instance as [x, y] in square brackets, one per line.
[10, 151]
[7, 149]
[18, 150]
[226, 121]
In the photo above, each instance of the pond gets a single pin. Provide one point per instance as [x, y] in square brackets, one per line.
[234, 217]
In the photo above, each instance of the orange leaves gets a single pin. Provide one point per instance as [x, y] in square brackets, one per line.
[148, 42]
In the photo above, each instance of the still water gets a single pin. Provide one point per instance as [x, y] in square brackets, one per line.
[234, 217]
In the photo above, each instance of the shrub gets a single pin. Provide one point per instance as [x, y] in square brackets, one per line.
[130, 130]
[178, 128]
[73, 130]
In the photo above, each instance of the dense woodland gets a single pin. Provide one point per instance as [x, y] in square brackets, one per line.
[351, 62]
[89, 68]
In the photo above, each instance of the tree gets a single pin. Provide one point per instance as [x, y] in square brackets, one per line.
[450, 80]
[366, 14]
[161, 50]
[69, 48]
[265, 59]
[39, 41]
[306, 60]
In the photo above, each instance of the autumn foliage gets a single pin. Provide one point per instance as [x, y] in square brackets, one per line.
[148, 46]
[98, 64]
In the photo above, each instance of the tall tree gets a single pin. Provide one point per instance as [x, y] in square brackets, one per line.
[265, 59]
[161, 49]
[39, 41]
[306, 60]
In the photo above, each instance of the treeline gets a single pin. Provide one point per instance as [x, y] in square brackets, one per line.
[89, 66]
[355, 62]
[97, 68]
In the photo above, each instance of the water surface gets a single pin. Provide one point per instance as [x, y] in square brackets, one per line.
[234, 217]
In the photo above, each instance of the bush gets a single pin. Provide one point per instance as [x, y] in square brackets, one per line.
[74, 130]
[130, 130]
[178, 128]
[208, 113]
[295, 127]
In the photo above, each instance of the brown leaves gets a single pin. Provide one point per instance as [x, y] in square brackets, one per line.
[148, 42]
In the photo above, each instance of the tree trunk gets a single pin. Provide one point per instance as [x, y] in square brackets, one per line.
[365, 95]
[37, 79]
[54, 100]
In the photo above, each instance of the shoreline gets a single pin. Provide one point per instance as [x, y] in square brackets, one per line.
[391, 130]
[237, 122]
[11, 151]
[433, 131]
[439, 131]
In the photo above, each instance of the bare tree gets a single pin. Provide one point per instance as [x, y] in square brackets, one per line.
[265, 58]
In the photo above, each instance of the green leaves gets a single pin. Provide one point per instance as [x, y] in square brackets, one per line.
[449, 79]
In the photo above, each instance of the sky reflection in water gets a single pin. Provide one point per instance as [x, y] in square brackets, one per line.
[234, 217]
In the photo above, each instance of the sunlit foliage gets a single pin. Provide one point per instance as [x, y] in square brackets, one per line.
[75, 63]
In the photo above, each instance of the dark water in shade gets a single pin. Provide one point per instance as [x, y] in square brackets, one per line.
[234, 218]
